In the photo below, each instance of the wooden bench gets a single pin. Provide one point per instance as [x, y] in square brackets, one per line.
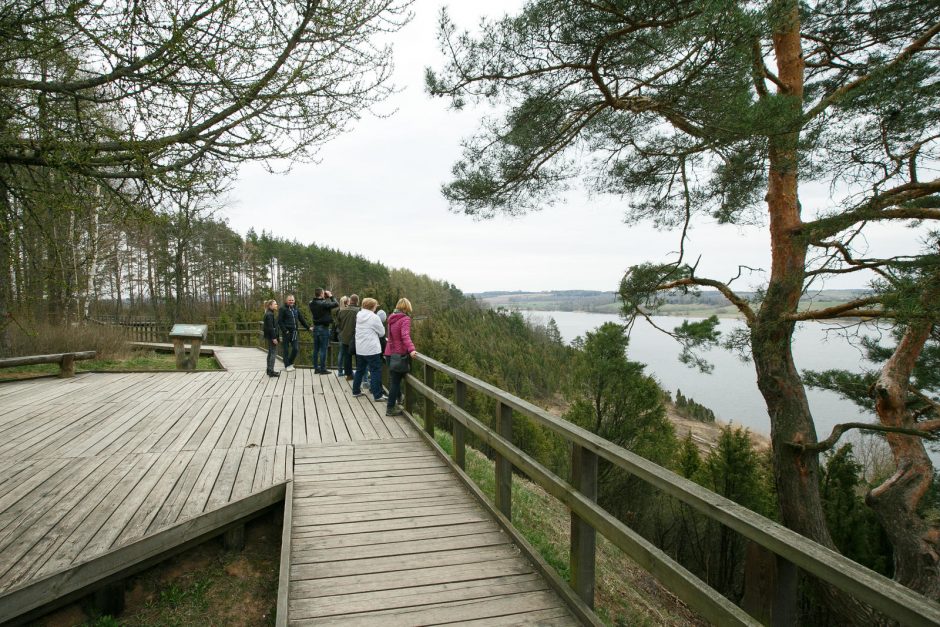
[66, 361]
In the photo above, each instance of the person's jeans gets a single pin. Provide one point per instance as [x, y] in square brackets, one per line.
[348, 361]
[374, 364]
[394, 387]
[291, 347]
[341, 359]
[321, 341]
[272, 355]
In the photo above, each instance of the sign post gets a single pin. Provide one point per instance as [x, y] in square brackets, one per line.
[195, 334]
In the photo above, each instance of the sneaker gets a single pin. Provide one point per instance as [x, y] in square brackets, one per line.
[357, 394]
[349, 377]
[394, 411]
[274, 374]
[289, 369]
[381, 399]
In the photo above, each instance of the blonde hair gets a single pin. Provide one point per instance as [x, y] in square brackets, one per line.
[404, 305]
[267, 304]
[369, 303]
[344, 301]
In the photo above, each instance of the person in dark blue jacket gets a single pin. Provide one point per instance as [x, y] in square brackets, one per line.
[290, 321]
[269, 326]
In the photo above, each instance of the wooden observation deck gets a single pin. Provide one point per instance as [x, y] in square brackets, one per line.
[102, 475]
[107, 472]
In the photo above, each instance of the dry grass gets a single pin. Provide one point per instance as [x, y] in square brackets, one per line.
[45, 338]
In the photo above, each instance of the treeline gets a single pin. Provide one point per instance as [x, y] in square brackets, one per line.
[86, 262]
[688, 408]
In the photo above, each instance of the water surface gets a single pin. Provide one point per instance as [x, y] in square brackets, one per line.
[731, 389]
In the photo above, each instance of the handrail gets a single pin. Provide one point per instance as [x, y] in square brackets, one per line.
[66, 361]
[883, 594]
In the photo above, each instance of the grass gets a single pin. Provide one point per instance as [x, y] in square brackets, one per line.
[137, 361]
[625, 593]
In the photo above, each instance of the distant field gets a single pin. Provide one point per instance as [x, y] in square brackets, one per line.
[710, 304]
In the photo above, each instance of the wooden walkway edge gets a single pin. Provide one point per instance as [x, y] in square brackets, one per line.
[72, 583]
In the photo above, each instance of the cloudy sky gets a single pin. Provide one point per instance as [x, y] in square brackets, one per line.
[376, 191]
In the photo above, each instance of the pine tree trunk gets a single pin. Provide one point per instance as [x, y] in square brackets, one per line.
[896, 502]
[6, 258]
[92, 270]
[796, 473]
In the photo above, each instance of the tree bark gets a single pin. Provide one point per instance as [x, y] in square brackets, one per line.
[6, 231]
[896, 502]
[796, 472]
[92, 269]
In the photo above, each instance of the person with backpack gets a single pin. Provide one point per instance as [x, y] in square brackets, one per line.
[399, 351]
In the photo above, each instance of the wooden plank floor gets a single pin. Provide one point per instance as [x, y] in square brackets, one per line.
[382, 531]
[95, 462]
[384, 534]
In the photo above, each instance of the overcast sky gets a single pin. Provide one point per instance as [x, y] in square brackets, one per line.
[376, 192]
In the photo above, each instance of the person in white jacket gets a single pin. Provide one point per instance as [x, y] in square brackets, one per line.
[369, 329]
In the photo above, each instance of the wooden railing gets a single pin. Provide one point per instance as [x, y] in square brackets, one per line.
[579, 494]
[66, 361]
[219, 333]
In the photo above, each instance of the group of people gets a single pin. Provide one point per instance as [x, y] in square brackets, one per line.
[363, 331]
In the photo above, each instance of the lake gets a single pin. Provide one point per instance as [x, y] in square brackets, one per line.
[731, 389]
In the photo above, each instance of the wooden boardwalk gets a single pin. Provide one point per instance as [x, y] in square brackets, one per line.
[384, 534]
[105, 463]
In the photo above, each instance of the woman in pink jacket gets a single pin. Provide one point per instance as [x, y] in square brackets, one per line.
[399, 343]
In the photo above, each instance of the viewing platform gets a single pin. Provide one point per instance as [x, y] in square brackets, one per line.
[105, 474]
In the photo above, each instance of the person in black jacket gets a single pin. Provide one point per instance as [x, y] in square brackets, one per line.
[290, 320]
[321, 308]
[269, 326]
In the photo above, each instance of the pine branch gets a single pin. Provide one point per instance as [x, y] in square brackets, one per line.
[918, 45]
[849, 309]
[926, 430]
[743, 306]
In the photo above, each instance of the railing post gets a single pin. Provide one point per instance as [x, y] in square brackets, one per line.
[583, 535]
[460, 447]
[428, 403]
[786, 593]
[503, 465]
[409, 391]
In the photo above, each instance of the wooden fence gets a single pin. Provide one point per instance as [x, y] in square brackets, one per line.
[219, 333]
[579, 494]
